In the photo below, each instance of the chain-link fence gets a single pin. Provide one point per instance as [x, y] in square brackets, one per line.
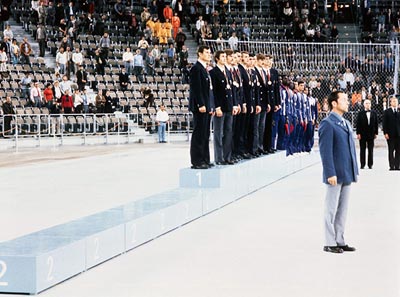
[362, 70]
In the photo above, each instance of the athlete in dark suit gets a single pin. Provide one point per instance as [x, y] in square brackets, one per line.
[274, 100]
[224, 110]
[367, 131]
[391, 130]
[261, 89]
[201, 105]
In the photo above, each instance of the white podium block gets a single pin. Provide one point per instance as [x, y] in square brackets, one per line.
[153, 216]
[33, 263]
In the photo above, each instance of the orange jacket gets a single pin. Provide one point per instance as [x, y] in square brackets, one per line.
[168, 13]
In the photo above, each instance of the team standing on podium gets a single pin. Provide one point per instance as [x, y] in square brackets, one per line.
[253, 112]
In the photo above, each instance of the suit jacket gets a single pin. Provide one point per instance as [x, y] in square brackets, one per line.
[367, 131]
[199, 88]
[273, 93]
[261, 89]
[391, 123]
[337, 149]
[222, 89]
[246, 85]
[81, 75]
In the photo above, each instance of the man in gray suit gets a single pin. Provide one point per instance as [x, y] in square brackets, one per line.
[340, 169]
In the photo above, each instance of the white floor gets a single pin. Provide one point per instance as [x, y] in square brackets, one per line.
[267, 244]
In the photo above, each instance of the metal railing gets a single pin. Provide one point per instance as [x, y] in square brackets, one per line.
[125, 126]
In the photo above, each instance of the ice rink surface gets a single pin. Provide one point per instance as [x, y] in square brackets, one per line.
[266, 244]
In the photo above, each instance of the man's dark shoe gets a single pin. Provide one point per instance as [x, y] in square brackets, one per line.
[347, 248]
[333, 249]
[221, 163]
[202, 166]
[210, 165]
[230, 162]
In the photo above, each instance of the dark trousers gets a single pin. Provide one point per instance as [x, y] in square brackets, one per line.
[364, 144]
[394, 153]
[199, 145]
[223, 137]
[42, 47]
[268, 131]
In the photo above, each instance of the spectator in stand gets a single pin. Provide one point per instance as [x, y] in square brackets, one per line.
[51, 14]
[342, 83]
[57, 93]
[153, 8]
[167, 13]
[179, 8]
[119, 11]
[150, 63]
[48, 96]
[157, 55]
[176, 23]
[313, 15]
[287, 13]
[207, 12]
[8, 32]
[77, 58]
[305, 11]
[81, 78]
[334, 34]
[221, 42]
[199, 25]
[70, 65]
[100, 62]
[143, 46]
[104, 45]
[156, 29]
[233, 41]
[246, 31]
[183, 58]
[160, 11]
[381, 22]
[168, 27]
[138, 65]
[25, 84]
[3, 61]
[15, 52]
[162, 119]
[123, 79]
[67, 103]
[62, 28]
[25, 50]
[36, 95]
[100, 102]
[171, 55]
[65, 85]
[163, 35]
[61, 60]
[144, 17]
[206, 32]
[348, 77]
[108, 107]
[8, 111]
[70, 10]
[180, 39]
[59, 13]
[127, 58]
[133, 24]
[357, 84]
[41, 39]
[87, 101]
[78, 101]
[388, 62]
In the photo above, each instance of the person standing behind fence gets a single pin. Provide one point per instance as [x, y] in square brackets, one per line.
[201, 105]
[162, 119]
[340, 170]
[36, 95]
[8, 111]
[391, 130]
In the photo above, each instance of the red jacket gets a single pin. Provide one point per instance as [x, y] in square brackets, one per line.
[66, 101]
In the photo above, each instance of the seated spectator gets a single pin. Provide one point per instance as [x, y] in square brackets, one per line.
[148, 96]
[287, 13]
